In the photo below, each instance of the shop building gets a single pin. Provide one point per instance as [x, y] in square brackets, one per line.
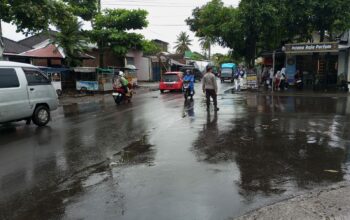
[319, 64]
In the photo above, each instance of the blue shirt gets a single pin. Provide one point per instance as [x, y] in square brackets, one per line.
[190, 78]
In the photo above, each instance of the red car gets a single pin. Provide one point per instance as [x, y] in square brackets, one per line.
[171, 81]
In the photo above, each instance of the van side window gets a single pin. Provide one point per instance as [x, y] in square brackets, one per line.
[35, 77]
[8, 78]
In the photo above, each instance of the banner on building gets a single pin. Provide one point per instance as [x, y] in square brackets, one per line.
[312, 47]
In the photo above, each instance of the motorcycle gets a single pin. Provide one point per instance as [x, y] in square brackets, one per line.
[120, 95]
[299, 83]
[188, 91]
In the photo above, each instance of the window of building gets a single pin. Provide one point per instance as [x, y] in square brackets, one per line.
[130, 61]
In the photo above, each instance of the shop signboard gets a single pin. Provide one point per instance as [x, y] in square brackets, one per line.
[312, 47]
[252, 80]
[87, 85]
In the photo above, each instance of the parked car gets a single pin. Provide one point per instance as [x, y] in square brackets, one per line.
[25, 94]
[171, 81]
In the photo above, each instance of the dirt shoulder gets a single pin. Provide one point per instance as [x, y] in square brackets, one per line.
[329, 203]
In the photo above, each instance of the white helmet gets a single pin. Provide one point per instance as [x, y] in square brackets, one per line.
[121, 73]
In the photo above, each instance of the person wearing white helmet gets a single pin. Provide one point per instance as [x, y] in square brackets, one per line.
[124, 82]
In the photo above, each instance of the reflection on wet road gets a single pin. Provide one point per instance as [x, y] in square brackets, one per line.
[161, 158]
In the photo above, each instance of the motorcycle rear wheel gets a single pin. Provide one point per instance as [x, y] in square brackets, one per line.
[118, 99]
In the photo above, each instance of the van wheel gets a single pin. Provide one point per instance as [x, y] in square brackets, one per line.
[41, 115]
[161, 91]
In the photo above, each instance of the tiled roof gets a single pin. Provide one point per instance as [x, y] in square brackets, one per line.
[13, 47]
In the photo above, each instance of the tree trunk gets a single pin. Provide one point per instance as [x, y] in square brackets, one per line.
[209, 51]
[101, 58]
[322, 35]
[250, 53]
[99, 6]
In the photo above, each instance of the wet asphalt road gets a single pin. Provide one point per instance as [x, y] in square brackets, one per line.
[161, 158]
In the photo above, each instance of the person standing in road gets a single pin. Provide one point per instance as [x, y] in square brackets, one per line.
[210, 88]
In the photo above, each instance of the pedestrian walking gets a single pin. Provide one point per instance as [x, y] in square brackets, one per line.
[277, 81]
[283, 80]
[210, 88]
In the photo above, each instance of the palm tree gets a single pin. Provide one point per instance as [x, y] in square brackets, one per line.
[183, 42]
[71, 39]
[205, 43]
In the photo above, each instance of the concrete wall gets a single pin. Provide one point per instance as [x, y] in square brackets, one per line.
[142, 64]
[110, 60]
[144, 73]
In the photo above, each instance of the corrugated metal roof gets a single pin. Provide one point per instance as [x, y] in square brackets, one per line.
[12, 47]
[38, 38]
[50, 51]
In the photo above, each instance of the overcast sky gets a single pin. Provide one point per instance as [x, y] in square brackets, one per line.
[166, 19]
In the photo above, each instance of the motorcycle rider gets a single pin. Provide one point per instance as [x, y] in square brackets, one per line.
[124, 82]
[190, 78]
[298, 79]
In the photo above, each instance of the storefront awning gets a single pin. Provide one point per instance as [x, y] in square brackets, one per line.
[174, 62]
[344, 47]
[84, 69]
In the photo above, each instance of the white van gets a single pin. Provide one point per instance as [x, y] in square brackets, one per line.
[25, 94]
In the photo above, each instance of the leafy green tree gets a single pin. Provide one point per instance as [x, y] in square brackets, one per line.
[219, 59]
[240, 29]
[85, 9]
[329, 16]
[206, 20]
[183, 42]
[197, 56]
[219, 23]
[150, 48]
[110, 31]
[32, 16]
[35, 16]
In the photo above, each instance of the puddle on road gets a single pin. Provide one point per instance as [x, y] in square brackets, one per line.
[139, 152]
[270, 142]
[52, 200]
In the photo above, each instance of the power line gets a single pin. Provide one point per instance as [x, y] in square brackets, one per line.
[167, 25]
[149, 5]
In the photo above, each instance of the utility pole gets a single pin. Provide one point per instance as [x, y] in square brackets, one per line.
[2, 46]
